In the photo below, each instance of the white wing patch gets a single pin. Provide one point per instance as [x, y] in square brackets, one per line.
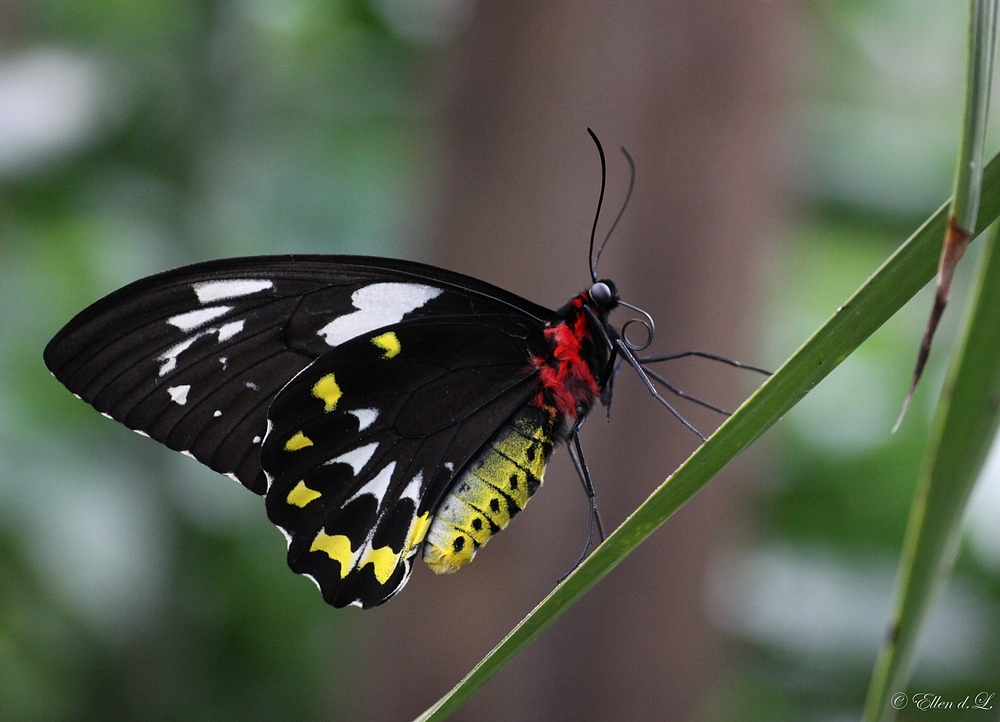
[357, 458]
[228, 330]
[412, 490]
[377, 486]
[379, 304]
[179, 394]
[366, 417]
[193, 319]
[209, 291]
[169, 357]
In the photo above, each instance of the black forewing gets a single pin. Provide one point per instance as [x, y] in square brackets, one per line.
[354, 466]
[194, 363]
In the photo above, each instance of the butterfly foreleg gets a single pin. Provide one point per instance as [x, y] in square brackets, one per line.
[631, 360]
[607, 378]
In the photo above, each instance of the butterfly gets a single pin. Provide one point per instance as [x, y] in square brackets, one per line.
[382, 407]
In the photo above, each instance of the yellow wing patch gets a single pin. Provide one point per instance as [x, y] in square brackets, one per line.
[302, 495]
[327, 391]
[298, 441]
[389, 343]
[338, 548]
[419, 531]
[384, 560]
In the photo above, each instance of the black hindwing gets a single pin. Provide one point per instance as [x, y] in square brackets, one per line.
[363, 444]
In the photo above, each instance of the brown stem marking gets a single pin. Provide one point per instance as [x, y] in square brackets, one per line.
[956, 240]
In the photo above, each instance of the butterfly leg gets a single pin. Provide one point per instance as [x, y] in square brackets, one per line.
[630, 359]
[701, 354]
[677, 392]
[644, 360]
[583, 472]
[607, 380]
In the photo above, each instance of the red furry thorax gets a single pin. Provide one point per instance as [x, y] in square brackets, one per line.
[565, 379]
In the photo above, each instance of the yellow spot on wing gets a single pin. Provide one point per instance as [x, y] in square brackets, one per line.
[338, 548]
[298, 441]
[302, 495]
[419, 531]
[389, 343]
[384, 560]
[327, 391]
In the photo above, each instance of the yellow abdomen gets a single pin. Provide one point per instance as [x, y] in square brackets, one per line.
[494, 486]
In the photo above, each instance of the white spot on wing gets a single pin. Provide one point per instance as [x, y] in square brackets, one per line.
[141, 432]
[412, 490]
[366, 417]
[233, 476]
[228, 330]
[170, 355]
[179, 394]
[252, 385]
[256, 439]
[449, 466]
[209, 291]
[193, 319]
[379, 304]
[217, 413]
[378, 485]
[357, 458]
[187, 453]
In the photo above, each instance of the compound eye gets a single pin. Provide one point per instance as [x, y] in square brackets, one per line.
[600, 294]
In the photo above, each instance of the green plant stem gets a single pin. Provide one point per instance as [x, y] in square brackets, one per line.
[968, 173]
[979, 81]
[964, 427]
[895, 282]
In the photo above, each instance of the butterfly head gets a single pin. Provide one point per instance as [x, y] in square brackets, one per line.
[603, 296]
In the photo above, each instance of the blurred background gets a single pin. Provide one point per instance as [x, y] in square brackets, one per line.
[783, 150]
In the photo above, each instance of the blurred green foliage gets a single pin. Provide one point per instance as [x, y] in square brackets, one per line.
[882, 121]
[159, 133]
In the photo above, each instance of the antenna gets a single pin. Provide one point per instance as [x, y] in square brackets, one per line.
[600, 201]
[631, 185]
